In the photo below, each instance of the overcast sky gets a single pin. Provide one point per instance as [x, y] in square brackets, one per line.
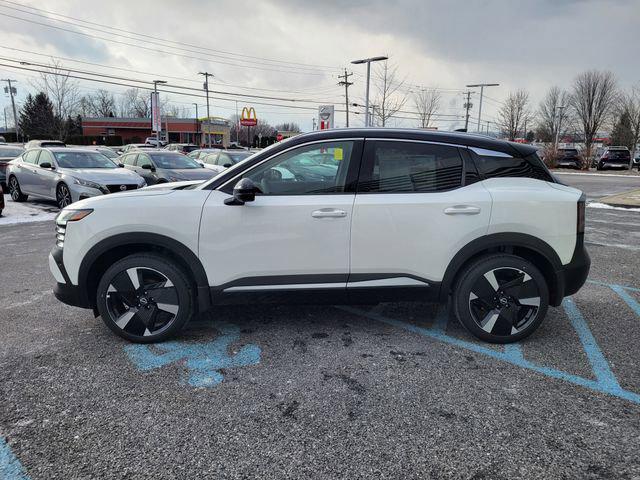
[444, 44]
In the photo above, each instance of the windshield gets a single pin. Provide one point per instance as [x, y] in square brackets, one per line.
[108, 153]
[83, 160]
[173, 161]
[11, 152]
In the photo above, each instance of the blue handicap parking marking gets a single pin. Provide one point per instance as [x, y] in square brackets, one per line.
[604, 380]
[202, 361]
[10, 466]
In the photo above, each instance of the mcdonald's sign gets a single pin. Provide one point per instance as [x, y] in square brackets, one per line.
[248, 117]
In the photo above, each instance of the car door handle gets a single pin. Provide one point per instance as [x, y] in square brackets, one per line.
[462, 210]
[328, 213]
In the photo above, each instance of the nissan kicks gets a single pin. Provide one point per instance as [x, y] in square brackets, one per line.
[377, 215]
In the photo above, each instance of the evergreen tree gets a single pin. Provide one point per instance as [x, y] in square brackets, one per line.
[622, 134]
[37, 120]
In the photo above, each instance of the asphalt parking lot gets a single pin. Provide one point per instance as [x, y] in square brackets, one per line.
[392, 391]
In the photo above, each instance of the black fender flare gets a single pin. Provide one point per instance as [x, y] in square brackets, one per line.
[505, 240]
[177, 248]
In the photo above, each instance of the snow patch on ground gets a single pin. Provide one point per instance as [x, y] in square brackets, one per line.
[25, 212]
[611, 207]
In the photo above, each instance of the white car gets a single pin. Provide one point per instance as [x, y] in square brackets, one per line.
[402, 215]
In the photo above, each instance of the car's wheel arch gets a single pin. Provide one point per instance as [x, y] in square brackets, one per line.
[537, 251]
[111, 249]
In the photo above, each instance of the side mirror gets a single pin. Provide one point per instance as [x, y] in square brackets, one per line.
[227, 165]
[148, 166]
[201, 164]
[244, 191]
[121, 165]
[46, 165]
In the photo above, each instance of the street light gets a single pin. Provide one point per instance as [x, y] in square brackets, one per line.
[482, 85]
[368, 61]
[158, 127]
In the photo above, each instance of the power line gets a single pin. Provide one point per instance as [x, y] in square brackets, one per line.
[217, 53]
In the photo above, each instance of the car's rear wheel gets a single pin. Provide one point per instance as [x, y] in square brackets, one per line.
[145, 298]
[63, 196]
[15, 192]
[501, 298]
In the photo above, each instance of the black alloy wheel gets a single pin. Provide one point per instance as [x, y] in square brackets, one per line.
[501, 298]
[14, 190]
[145, 298]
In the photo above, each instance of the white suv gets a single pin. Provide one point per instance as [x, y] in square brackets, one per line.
[338, 216]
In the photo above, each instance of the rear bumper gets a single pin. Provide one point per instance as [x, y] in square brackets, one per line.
[572, 276]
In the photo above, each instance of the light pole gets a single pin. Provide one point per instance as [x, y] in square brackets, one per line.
[195, 136]
[368, 61]
[481, 85]
[206, 88]
[159, 126]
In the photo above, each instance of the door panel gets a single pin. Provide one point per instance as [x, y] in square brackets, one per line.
[412, 213]
[45, 179]
[27, 176]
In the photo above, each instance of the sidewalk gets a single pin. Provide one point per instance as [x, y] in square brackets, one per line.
[630, 199]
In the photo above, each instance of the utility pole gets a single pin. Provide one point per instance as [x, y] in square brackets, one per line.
[481, 85]
[13, 105]
[467, 105]
[314, 124]
[195, 135]
[159, 126]
[206, 88]
[346, 84]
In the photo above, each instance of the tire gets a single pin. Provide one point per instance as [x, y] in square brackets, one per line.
[63, 196]
[136, 314]
[15, 192]
[497, 315]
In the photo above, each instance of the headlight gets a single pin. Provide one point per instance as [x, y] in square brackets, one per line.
[87, 183]
[71, 215]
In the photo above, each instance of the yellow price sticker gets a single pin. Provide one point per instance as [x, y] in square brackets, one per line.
[337, 154]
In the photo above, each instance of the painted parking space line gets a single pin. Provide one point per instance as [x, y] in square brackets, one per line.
[203, 362]
[605, 381]
[628, 299]
[10, 466]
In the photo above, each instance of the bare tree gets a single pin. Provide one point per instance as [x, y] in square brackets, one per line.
[100, 104]
[553, 119]
[389, 99]
[593, 101]
[629, 105]
[63, 92]
[427, 103]
[514, 113]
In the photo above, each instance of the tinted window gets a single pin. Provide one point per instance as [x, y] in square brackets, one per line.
[291, 174]
[31, 156]
[528, 167]
[410, 167]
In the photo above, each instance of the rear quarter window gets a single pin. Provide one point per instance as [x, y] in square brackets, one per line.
[519, 167]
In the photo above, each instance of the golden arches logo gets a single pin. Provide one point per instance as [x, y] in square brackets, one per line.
[248, 117]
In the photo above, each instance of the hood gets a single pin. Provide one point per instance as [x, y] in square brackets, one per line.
[190, 173]
[173, 185]
[103, 176]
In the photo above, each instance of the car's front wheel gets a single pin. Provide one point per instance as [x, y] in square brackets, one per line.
[63, 196]
[501, 298]
[145, 298]
[14, 190]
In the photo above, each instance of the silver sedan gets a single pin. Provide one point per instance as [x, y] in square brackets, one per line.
[67, 175]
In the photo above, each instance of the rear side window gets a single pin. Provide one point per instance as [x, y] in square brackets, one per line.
[31, 156]
[396, 167]
[500, 166]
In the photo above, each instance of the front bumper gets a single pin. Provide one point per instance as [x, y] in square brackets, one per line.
[64, 290]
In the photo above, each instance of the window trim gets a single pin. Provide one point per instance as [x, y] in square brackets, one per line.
[351, 179]
[370, 145]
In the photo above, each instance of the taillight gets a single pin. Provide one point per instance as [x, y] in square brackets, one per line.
[581, 209]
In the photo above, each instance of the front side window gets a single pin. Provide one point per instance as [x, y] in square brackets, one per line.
[143, 160]
[83, 160]
[223, 159]
[397, 167]
[45, 157]
[297, 172]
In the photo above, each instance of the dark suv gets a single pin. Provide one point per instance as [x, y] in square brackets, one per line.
[569, 157]
[615, 157]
